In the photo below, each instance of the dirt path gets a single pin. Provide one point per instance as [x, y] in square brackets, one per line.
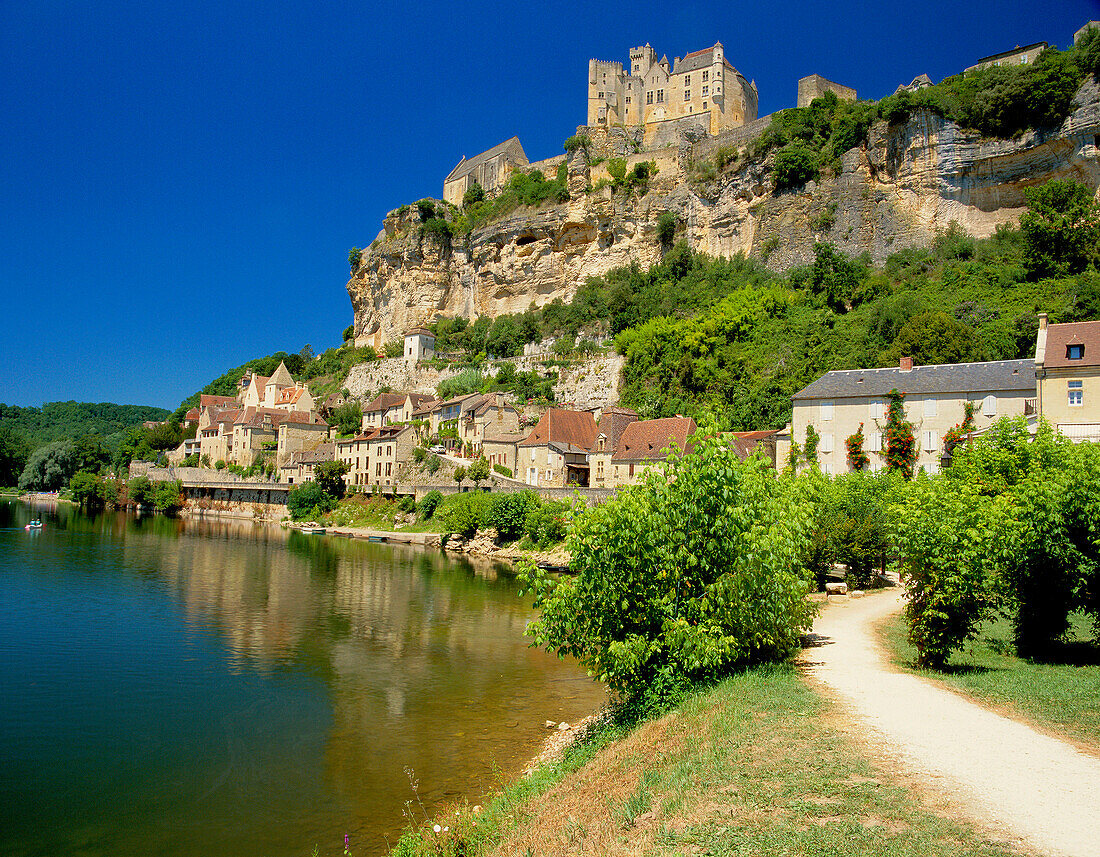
[998, 772]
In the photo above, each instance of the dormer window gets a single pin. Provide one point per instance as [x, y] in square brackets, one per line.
[1075, 352]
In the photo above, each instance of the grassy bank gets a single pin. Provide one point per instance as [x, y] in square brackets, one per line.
[751, 766]
[1060, 696]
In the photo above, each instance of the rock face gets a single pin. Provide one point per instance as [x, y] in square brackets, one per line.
[895, 191]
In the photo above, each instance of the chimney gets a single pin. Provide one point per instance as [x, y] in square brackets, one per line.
[1042, 321]
[906, 364]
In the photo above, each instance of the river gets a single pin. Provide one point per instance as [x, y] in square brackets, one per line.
[205, 688]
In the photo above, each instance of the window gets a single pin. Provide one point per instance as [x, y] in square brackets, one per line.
[705, 90]
[1075, 352]
[389, 468]
[687, 80]
[649, 97]
[827, 468]
[1076, 392]
[628, 99]
[876, 409]
[704, 105]
[826, 411]
[687, 95]
[827, 442]
[599, 95]
[929, 441]
[989, 406]
[873, 441]
[706, 74]
[660, 96]
[930, 406]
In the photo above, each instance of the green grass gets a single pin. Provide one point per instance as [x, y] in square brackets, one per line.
[1061, 697]
[753, 766]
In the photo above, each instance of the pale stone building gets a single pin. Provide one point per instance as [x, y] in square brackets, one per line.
[279, 392]
[838, 402]
[375, 457]
[419, 345]
[1067, 377]
[555, 453]
[613, 422]
[300, 467]
[491, 414]
[490, 169]
[645, 443]
[1016, 56]
[499, 447]
[649, 91]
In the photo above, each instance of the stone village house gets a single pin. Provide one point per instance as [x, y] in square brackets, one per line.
[555, 453]
[375, 457]
[1067, 377]
[839, 401]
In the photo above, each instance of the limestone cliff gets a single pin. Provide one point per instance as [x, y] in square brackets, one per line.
[894, 191]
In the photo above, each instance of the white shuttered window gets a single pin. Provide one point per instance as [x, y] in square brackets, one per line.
[826, 410]
[989, 406]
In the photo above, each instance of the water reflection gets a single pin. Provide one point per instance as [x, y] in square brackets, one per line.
[284, 683]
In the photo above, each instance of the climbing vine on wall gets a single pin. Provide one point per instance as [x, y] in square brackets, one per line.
[901, 445]
[857, 458]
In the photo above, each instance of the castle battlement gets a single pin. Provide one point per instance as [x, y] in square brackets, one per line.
[701, 84]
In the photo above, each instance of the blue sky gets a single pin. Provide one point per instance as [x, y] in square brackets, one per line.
[180, 183]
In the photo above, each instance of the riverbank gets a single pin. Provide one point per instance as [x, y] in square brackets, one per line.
[760, 763]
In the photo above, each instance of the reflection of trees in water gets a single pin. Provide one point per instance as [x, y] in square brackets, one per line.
[423, 654]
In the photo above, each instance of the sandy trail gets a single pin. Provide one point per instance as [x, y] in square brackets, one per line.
[996, 771]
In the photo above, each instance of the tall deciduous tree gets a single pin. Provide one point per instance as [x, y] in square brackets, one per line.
[1061, 229]
[329, 476]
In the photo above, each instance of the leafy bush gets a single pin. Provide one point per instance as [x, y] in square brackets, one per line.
[795, 164]
[168, 497]
[951, 539]
[437, 228]
[354, 260]
[546, 524]
[428, 504]
[329, 476]
[1061, 229]
[474, 193]
[666, 229]
[465, 513]
[140, 491]
[577, 141]
[502, 470]
[303, 499]
[684, 576]
[508, 513]
[434, 463]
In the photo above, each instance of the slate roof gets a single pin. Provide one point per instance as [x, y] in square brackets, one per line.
[648, 439]
[465, 167]
[421, 400]
[1013, 52]
[613, 422]
[420, 331]
[324, 452]
[1061, 336]
[998, 375]
[700, 59]
[512, 437]
[561, 426]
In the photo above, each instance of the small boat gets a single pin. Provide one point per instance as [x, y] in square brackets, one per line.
[377, 538]
[313, 531]
[34, 525]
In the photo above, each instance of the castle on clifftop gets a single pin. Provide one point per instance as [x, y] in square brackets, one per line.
[703, 84]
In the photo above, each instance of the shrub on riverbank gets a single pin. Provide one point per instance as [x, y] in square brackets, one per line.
[698, 569]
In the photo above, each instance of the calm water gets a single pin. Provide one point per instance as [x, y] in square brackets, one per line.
[190, 688]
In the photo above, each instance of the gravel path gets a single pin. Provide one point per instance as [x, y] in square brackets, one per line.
[996, 771]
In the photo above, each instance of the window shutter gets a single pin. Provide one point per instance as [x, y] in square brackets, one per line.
[930, 407]
[929, 441]
[989, 406]
[826, 410]
[827, 442]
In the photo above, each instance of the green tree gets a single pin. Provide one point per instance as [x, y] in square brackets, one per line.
[698, 569]
[140, 491]
[168, 497]
[934, 337]
[475, 193]
[89, 454]
[85, 490]
[348, 418]
[329, 476]
[1061, 229]
[49, 467]
[666, 229]
[478, 471]
[354, 260]
[13, 456]
[303, 499]
[460, 473]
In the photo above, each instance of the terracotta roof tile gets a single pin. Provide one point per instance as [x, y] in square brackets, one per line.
[1061, 336]
[648, 439]
[561, 426]
[744, 442]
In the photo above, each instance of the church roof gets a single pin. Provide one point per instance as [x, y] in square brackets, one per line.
[465, 167]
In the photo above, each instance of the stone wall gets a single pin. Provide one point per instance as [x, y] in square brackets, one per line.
[734, 138]
[815, 86]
